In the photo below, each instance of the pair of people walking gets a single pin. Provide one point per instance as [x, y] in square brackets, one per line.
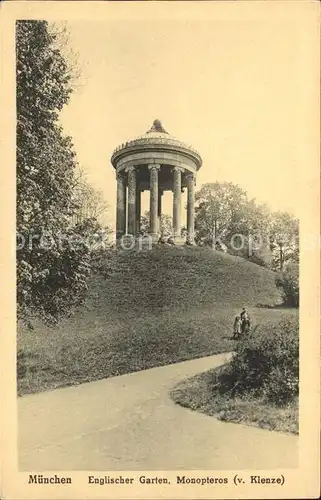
[242, 324]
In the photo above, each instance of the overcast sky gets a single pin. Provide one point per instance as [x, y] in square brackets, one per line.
[234, 88]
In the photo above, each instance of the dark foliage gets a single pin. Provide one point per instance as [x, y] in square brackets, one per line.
[266, 363]
[51, 276]
[289, 281]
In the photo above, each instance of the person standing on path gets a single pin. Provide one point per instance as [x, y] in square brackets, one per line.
[245, 320]
[237, 327]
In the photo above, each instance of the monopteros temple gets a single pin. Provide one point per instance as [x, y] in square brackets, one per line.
[158, 162]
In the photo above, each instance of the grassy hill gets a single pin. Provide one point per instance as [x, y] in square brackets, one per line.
[147, 309]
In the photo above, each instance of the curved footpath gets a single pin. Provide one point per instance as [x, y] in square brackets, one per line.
[130, 423]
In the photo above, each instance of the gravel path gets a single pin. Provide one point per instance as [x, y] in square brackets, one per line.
[130, 423]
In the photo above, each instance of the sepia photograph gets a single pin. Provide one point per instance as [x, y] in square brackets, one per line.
[163, 189]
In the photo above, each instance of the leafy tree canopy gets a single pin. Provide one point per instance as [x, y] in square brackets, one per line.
[165, 224]
[51, 273]
[223, 211]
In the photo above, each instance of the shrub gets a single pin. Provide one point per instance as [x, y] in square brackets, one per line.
[266, 363]
[281, 386]
[288, 281]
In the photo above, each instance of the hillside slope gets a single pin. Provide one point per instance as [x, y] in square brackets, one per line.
[147, 309]
[167, 278]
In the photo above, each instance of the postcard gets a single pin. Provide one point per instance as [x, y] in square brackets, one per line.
[161, 250]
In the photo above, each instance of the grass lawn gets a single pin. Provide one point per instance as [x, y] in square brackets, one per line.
[198, 393]
[147, 309]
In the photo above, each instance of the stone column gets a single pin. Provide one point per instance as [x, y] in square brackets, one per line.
[159, 209]
[177, 189]
[190, 207]
[138, 208]
[121, 206]
[153, 207]
[131, 200]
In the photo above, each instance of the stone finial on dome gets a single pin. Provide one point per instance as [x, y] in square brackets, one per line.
[157, 127]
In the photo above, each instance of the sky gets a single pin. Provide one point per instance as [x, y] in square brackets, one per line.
[234, 88]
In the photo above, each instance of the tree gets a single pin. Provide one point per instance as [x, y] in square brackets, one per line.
[165, 224]
[284, 238]
[220, 212]
[248, 229]
[258, 222]
[258, 218]
[289, 282]
[90, 203]
[51, 272]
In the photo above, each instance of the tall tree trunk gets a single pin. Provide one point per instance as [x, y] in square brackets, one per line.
[281, 257]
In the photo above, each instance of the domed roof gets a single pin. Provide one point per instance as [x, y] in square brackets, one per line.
[156, 137]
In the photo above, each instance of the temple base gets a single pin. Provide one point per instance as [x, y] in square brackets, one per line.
[179, 240]
[154, 237]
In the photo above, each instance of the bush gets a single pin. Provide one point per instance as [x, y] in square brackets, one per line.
[288, 281]
[281, 386]
[266, 363]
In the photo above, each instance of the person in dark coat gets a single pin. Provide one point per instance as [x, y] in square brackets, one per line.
[245, 320]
